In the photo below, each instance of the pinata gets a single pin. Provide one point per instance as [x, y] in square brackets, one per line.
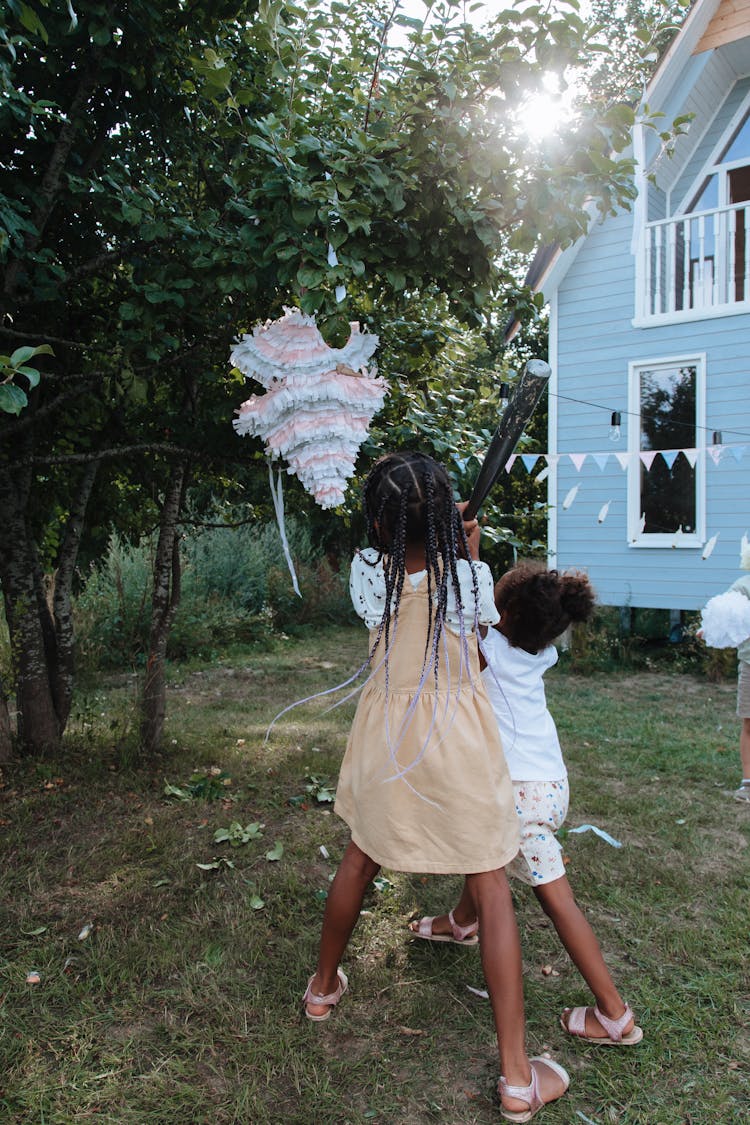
[318, 402]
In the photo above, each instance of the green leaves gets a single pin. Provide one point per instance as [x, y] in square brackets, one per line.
[236, 835]
[13, 398]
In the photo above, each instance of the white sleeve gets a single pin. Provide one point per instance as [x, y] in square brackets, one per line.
[367, 586]
[487, 610]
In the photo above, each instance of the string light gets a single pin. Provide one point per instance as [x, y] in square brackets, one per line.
[717, 437]
[614, 426]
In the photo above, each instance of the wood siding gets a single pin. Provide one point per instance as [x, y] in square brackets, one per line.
[595, 342]
[730, 23]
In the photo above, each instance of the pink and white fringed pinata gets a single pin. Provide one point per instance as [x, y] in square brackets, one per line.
[319, 401]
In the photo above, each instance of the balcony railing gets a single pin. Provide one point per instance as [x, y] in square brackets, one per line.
[697, 263]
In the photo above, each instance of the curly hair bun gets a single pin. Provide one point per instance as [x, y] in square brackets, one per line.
[537, 605]
[577, 597]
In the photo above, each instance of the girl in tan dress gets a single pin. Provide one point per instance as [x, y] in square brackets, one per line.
[423, 787]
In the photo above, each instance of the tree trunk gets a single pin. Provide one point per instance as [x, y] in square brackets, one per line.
[6, 732]
[39, 727]
[61, 674]
[164, 602]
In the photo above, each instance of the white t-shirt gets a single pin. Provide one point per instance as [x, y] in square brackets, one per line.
[367, 588]
[514, 680]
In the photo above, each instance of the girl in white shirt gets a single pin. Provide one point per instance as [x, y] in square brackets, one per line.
[536, 605]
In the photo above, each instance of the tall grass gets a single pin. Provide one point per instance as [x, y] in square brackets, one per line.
[235, 589]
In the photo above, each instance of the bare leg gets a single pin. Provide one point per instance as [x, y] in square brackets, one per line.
[343, 905]
[501, 962]
[579, 939]
[464, 914]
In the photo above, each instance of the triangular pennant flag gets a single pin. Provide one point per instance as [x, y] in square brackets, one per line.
[552, 458]
[647, 457]
[715, 452]
[691, 455]
[578, 459]
[510, 462]
[738, 452]
[601, 459]
[623, 458]
[670, 456]
[529, 460]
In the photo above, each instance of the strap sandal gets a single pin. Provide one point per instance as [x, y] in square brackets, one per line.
[331, 999]
[459, 935]
[532, 1093]
[573, 1020]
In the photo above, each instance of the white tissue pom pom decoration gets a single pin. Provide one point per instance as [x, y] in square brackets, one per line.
[319, 401]
[725, 620]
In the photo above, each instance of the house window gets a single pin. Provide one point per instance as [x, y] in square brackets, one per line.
[717, 254]
[665, 500]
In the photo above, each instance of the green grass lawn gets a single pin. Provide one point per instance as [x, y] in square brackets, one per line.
[182, 1003]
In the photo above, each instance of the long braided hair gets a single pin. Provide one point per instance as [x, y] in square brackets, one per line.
[408, 500]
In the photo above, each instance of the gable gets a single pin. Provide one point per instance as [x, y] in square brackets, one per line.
[730, 23]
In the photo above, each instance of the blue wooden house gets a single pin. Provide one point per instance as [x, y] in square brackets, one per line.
[649, 410]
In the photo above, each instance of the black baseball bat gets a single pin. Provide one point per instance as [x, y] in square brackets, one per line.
[517, 412]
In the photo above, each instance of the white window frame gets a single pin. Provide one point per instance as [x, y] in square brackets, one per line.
[644, 319]
[637, 538]
[713, 164]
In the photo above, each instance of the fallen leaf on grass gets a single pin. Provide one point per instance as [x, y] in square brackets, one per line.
[35, 933]
[216, 863]
[86, 931]
[33, 977]
[411, 1031]
[276, 852]
[255, 902]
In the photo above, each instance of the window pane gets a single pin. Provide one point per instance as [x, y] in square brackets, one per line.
[708, 196]
[739, 147]
[668, 421]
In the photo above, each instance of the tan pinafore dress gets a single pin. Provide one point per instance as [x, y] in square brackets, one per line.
[453, 812]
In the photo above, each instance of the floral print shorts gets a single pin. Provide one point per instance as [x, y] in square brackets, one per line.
[542, 807]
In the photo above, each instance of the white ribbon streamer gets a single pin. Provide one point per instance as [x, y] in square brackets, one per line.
[277, 495]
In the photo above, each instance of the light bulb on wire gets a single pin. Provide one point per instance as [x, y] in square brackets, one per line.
[614, 426]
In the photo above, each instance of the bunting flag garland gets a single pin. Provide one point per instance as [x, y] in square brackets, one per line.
[647, 457]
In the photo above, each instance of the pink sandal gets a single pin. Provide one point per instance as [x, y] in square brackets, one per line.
[460, 935]
[331, 999]
[531, 1093]
[576, 1026]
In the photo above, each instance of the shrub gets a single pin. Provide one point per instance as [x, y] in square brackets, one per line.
[236, 588]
